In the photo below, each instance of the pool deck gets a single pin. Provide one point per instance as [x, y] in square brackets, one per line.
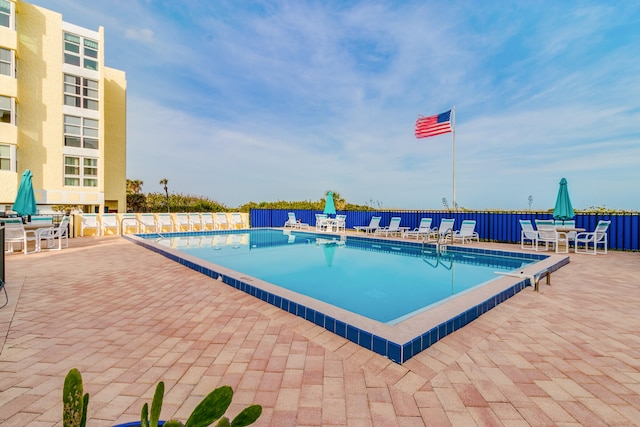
[127, 318]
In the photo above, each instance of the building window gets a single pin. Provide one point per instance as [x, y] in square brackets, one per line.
[80, 92]
[5, 157]
[6, 62]
[5, 13]
[78, 50]
[6, 109]
[81, 132]
[80, 171]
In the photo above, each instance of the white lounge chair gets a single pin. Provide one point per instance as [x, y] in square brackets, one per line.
[444, 231]
[182, 221]
[548, 235]
[90, 222]
[528, 233]
[392, 229]
[237, 221]
[221, 221]
[14, 232]
[422, 230]
[165, 223]
[129, 221]
[110, 222]
[467, 232]
[293, 222]
[196, 221]
[207, 221]
[61, 232]
[374, 224]
[595, 238]
[148, 222]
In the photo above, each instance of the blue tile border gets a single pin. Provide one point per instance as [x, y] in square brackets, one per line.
[397, 352]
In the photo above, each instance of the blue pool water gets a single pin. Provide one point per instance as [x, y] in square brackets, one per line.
[386, 282]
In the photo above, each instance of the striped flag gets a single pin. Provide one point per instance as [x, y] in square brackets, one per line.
[433, 125]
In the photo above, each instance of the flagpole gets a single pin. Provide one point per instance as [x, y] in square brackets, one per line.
[453, 156]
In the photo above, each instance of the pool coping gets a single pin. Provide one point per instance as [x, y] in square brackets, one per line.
[398, 342]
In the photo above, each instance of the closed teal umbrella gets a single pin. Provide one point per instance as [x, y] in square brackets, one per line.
[25, 203]
[563, 210]
[329, 206]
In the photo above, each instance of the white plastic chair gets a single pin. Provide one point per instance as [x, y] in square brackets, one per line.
[109, 222]
[422, 230]
[341, 223]
[322, 222]
[182, 220]
[467, 232]
[221, 221]
[207, 221]
[14, 232]
[528, 233]
[548, 235]
[196, 222]
[444, 231]
[392, 229]
[165, 223]
[148, 221]
[374, 224]
[236, 221]
[61, 232]
[90, 222]
[595, 238]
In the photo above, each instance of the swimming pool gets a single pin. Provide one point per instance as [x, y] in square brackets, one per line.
[386, 296]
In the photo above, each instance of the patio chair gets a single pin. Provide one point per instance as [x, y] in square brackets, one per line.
[293, 222]
[422, 230]
[392, 229]
[207, 221]
[341, 223]
[61, 232]
[374, 224]
[148, 221]
[595, 238]
[221, 221]
[548, 235]
[165, 222]
[528, 233]
[322, 222]
[570, 223]
[182, 220]
[467, 232]
[109, 222]
[196, 221]
[444, 231]
[237, 221]
[14, 232]
[90, 222]
[129, 221]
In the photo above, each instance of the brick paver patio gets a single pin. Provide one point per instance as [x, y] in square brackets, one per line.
[128, 318]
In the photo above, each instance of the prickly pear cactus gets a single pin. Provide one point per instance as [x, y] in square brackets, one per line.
[73, 401]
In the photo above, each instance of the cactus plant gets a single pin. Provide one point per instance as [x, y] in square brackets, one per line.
[73, 401]
[210, 410]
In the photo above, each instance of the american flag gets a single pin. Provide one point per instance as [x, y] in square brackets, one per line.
[433, 125]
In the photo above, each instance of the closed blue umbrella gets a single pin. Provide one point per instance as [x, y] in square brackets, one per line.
[563, 209]
[25, 203]
[329, 206]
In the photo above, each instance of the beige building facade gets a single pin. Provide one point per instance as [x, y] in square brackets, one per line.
[62, 113]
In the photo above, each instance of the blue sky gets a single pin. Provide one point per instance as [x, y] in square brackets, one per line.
[284, 100]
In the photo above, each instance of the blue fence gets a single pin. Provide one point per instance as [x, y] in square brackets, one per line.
[624, 232]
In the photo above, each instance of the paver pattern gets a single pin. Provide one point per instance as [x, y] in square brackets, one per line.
[128, 318]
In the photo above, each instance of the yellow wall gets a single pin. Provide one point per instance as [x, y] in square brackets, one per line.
[115, 137]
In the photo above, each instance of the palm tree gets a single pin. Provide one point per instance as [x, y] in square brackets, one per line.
[164, 182]
[134, 186]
